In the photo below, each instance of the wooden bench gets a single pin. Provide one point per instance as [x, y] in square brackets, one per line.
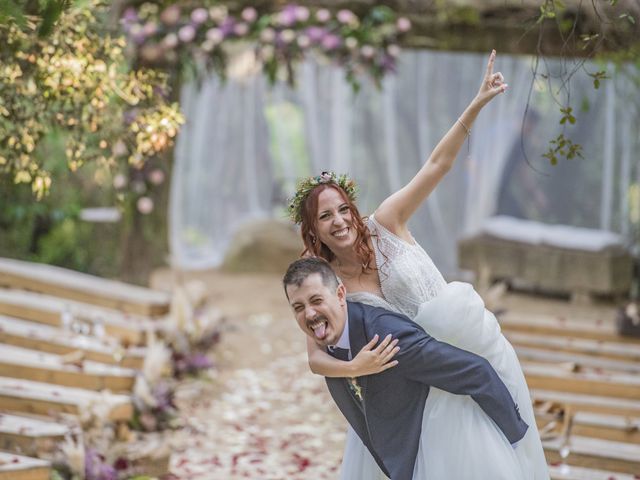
[35, 307]
[26, 396]
[595, 453]
[17, 467]
[38, 336]
[30, 436]
[627, 352]
[554, 258]
[572, 472]
[19, 362]
[64, 283]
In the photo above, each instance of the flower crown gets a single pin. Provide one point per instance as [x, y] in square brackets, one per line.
[306, 185]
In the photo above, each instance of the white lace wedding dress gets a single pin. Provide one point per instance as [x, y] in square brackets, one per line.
[459, 441]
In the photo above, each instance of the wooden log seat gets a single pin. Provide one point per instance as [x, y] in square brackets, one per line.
[552, 258]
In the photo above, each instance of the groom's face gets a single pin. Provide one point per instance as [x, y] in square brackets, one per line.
[319, 311]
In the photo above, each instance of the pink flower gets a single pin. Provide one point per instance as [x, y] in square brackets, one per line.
[240, 29]
[170, 15]
[187, 33]
[145, 205]
[214, 35]
[170, 41]
[393, 50]
[316, 34]
[199, 15]
[368, 51]
[268, 35]
[287, 17]
[249, 14]
[150, 28]
[330, 42]
[156, 176]
[323, 15]
[346, 16]
[302, 14]
[119, 181]
[403, 24]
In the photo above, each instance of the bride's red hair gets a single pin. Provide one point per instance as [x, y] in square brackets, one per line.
[308, 229]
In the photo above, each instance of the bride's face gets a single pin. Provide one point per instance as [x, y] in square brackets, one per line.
[334, 221]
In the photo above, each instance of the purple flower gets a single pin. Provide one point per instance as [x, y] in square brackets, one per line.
[288, 17]
[198, 361]
[129, 16]
[226, 27]
[388, 63]
[95, 467]
[249, 14]
[316, 34]
[403, 24]
[187, 33]
[331, 42]
[199, 15]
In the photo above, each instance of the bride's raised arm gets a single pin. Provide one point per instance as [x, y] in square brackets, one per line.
[395, 211]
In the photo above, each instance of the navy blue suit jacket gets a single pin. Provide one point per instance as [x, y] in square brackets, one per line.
[389, 420]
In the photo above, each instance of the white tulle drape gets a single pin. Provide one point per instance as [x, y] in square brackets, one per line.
[245, 143]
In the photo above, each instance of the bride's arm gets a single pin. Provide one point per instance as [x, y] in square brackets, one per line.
[395, 211]
[369, 360]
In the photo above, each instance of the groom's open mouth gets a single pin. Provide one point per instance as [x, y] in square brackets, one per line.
[319, 327]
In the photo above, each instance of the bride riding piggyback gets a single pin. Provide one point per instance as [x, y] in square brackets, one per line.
[379, 264]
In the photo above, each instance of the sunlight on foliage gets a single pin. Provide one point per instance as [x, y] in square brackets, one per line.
[75, 86]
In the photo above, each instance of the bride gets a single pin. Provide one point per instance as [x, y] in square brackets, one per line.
[380, 264]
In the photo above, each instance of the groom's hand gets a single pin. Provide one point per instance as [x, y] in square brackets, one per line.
[375, 359]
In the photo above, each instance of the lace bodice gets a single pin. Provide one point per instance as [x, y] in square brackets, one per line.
[408, 276]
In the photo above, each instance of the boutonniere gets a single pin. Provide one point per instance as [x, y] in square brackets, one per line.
[356, 388]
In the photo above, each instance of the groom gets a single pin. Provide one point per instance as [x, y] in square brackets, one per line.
[386, 409]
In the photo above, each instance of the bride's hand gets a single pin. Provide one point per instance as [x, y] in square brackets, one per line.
[372, 359]
[492, 84]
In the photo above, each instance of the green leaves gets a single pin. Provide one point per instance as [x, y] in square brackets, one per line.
[628, 17]
[562, 146]
[567, 116]
[597, 77]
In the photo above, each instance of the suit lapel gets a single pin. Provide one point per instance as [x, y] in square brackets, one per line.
[357, 337]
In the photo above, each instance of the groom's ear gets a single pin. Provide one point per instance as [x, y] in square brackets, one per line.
[341, 292]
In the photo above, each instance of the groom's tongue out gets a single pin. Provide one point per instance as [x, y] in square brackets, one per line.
[319, 328]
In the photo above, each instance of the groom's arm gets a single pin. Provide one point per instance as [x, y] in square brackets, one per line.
[424, 359]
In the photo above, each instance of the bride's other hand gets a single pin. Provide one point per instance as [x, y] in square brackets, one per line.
[492, 85]
[375, 359]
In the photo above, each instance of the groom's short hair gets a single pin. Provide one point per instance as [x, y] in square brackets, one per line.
[299, 270]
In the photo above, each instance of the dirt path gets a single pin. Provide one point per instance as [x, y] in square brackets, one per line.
[265, 416]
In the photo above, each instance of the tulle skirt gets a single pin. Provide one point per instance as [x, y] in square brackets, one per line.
[459, 441]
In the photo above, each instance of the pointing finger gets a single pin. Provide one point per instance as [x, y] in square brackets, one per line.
[492, 59]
